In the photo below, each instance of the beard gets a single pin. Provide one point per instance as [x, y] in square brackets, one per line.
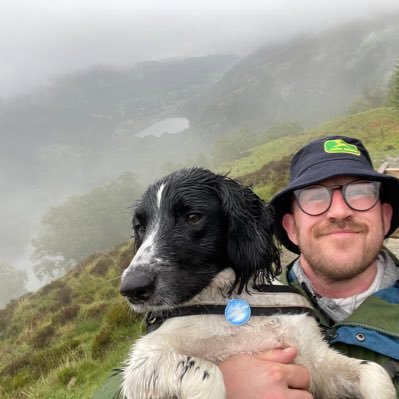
[339, 259]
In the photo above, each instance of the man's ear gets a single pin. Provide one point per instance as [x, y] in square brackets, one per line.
[387, 212]
[288, 223]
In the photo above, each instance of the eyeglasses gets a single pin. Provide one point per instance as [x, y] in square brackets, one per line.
[358, 195]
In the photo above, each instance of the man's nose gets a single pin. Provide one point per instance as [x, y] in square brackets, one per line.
[339, 209]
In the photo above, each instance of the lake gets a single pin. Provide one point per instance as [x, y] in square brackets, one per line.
[168, 125]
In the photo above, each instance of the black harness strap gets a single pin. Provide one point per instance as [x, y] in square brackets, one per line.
[155, 319]
[283, 289]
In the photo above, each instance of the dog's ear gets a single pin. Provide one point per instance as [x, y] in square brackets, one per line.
[251, 249]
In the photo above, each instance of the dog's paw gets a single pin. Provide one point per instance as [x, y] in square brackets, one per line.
[180, 377]
[200, 379]
[375, 382]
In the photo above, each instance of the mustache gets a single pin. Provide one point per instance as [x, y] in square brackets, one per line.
[339, 226]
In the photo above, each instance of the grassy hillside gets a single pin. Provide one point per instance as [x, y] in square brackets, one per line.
[61, 342]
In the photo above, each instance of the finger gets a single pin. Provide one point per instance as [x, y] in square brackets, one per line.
[299, 394]
[286, 355]
[298, 377]
[291, 375]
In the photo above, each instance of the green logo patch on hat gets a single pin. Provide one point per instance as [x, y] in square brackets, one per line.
[339, 146]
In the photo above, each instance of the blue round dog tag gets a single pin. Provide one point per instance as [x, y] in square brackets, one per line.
[237, 312]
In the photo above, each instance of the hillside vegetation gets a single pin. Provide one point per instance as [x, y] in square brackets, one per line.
[61, 341]
[266, 167]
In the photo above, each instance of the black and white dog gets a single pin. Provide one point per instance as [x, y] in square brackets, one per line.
[204, 267]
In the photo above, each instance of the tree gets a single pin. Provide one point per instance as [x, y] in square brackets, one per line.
[83, 225]
[393, 87]
[12, 283]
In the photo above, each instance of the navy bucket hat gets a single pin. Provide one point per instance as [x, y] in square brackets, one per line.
[325, 158]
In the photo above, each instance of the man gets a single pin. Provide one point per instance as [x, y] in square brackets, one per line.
[335, 213]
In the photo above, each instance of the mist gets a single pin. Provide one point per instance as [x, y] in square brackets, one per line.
[42, 40]
[51, 51]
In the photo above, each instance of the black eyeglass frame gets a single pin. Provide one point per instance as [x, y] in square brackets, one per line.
[342, 188]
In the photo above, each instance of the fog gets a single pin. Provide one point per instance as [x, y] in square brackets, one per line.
[45, 40]
[40, 40]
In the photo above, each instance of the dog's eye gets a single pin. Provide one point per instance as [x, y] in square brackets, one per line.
[193, 218]
[139, 228]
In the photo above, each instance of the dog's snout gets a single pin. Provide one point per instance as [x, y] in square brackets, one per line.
[138, 288]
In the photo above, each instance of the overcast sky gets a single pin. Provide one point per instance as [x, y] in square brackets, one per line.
[41, 39]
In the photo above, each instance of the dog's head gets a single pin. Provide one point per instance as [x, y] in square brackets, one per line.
[188, 227]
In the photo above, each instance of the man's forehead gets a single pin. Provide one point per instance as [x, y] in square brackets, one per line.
[338, 180]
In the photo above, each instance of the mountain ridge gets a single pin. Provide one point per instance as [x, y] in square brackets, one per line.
[307, 80]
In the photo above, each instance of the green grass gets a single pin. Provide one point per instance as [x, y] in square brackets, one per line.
[377, 128]
[272, 150]
[62, 341]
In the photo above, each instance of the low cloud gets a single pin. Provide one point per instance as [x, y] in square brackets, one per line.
[42, 40]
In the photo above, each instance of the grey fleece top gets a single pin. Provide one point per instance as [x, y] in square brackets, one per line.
[339, 309]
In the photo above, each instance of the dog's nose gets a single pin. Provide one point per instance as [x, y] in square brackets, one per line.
[138, 288]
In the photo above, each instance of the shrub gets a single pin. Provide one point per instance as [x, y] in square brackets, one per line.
[66, 314]
[102, 266]
[274, 174]
[64, 295]
[5, 318]
[66, 374]
[120, 315]
[96, 310]
[101, 342]
[27, 368]
[43, 336]
[52, 286]
[11, 384]
[13, 368]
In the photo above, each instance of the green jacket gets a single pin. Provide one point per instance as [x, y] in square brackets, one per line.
[111, 387]
[370, 333]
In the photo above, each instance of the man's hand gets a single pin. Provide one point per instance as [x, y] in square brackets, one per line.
[266, 375]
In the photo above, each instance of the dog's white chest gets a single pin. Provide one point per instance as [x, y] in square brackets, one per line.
[213, 338]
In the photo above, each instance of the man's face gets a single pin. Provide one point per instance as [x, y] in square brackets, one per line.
[340, 243]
